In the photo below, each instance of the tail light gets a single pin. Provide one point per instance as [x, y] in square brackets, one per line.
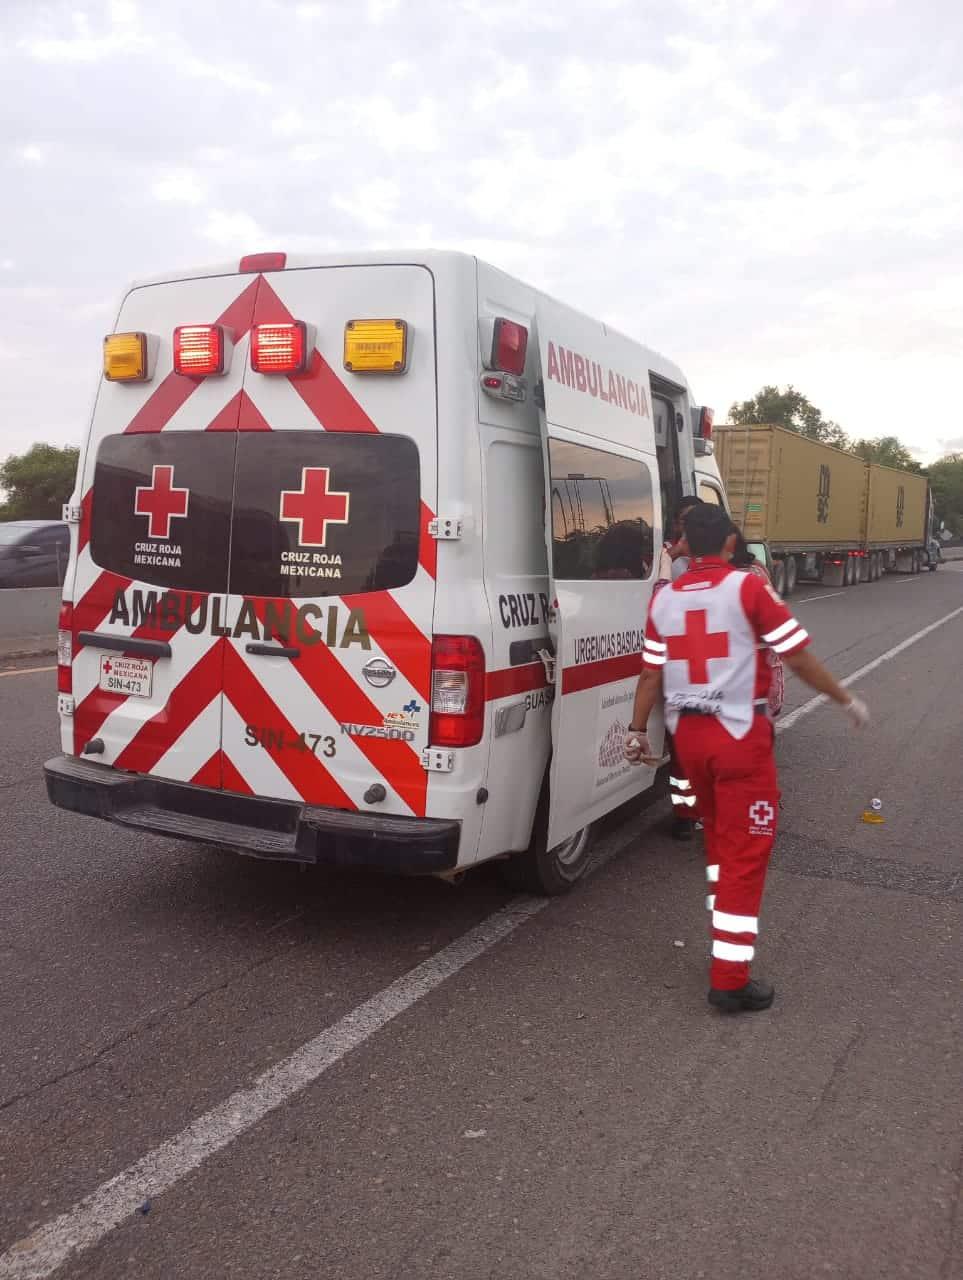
[706, 416]
[509, 346]
[199, 350]
[65, 648]
[262, 262]
[279, 348]
[457, 691]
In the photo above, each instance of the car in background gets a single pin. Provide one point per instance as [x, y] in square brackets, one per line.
[33, 553]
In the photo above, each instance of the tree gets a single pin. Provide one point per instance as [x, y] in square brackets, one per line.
[38, 482]
[791, 409]
[946, 481]
[888, 452]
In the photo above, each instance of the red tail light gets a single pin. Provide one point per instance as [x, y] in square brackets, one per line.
[279, 348]
[199, 350]
[65, 648]
[262, 262]
[509, 345]
[457, 691]
[706, 416]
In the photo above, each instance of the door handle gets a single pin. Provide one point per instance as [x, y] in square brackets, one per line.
[125, 644]
[273, 650]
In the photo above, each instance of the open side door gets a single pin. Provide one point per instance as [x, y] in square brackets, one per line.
[603, 532]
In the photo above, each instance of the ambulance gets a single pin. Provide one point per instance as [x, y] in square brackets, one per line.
[361, 551]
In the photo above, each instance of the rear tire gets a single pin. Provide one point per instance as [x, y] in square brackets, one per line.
[779, 577]
[549, 872]
[792, 572]
[849, 575]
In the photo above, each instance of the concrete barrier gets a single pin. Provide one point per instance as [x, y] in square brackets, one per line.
[28, 620]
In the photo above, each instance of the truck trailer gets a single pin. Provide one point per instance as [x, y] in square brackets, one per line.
[823, 514]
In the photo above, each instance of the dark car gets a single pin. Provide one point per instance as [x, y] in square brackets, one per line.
[33, 553]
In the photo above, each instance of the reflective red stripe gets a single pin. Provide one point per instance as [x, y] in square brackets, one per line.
[231, 780]
[239, 414]
[86, 512]
[397, 637]
[334, 687]
[427, 546]
[592, 674]
[512, 680]
[176, 390]
[306, 773]
[96, 602]
[186, 702]
[209, 774]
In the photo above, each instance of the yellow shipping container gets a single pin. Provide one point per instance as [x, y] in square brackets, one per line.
[790, 491]
[896, 508]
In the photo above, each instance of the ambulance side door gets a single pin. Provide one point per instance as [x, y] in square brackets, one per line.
[602, 533]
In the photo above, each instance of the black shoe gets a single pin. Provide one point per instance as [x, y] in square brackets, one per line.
[681, 829]
[755, 995]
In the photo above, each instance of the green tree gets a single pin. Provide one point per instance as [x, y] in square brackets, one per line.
[888, 452]
[789, 408]
[946, 481]
[38, 482]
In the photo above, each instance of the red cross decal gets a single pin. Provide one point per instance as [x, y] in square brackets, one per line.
[697, 646]
[314, 506]
[160, 502]
[108, 667]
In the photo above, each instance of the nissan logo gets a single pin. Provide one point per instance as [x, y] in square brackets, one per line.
[379, 673]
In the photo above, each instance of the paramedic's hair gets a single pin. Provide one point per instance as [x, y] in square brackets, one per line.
[742, 557]
[706, 529]
[686, 504]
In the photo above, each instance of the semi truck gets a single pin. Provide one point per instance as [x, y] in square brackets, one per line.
[820, 513]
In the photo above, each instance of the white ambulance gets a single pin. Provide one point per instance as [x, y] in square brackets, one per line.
[361, 554]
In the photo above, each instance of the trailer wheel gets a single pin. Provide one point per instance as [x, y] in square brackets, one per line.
[875, 567]
[544, 871]
[849, 577]
[791, 574]
[779, 577]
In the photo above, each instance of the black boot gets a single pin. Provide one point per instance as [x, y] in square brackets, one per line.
[755, 995]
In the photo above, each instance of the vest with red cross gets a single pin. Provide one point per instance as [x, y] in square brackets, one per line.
[704, 633]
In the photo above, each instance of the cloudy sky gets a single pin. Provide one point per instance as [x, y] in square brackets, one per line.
[766, 192]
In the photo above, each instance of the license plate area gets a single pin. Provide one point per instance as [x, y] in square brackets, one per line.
[130, 677]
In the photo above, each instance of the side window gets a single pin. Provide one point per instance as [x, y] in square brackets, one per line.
[601, 514]
[709, 493]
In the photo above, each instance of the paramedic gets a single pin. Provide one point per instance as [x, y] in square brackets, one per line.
[701, 655]
[675, 561]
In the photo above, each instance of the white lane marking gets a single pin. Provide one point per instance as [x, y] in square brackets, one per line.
[26, 671]
[39, 1255]
[795, 716]
[813, 599]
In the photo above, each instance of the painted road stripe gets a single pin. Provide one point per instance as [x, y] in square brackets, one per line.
[795, 716]
[813, 599]
[26, 671]
[40, 1254]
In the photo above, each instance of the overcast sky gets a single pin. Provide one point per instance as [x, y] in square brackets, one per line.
[765, 192]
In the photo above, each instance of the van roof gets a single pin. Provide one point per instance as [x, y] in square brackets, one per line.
[401, 257]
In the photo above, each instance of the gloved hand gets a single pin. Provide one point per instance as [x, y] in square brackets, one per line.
[857, 712]
[636, 746]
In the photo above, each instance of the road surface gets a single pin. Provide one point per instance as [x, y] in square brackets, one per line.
[492, 1086]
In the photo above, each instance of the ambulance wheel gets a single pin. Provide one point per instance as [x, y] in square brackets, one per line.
[544, 871]
[791, 574]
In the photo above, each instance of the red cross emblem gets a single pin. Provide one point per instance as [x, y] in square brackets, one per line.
[314, 506]
[160, 502]
[108, 667]
[698, 645]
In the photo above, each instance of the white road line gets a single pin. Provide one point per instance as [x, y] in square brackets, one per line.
[782, 724]
[26, 671]
[39, 1255]
[811, 599]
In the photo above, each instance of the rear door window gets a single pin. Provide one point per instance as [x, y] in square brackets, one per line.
[324, 513]
[602, 510]
[162, 508]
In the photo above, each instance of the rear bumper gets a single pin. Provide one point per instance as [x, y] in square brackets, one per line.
[262, 828]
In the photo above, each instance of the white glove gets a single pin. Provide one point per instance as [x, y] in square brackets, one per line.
[636, 746]
[858, 712]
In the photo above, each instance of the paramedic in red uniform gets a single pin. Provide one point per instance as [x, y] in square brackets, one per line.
[702, 655]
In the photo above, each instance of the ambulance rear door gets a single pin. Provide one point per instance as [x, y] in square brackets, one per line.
[603, 529]
[332, 589]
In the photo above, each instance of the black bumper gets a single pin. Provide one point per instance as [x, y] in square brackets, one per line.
[262, 828]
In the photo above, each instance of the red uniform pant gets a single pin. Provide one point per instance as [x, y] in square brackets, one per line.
[680, 788]
[738, 794]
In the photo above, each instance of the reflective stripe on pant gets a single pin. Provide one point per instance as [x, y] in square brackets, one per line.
[680, 788]
[738, 794]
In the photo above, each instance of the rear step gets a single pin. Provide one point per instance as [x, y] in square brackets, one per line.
[229, 835]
